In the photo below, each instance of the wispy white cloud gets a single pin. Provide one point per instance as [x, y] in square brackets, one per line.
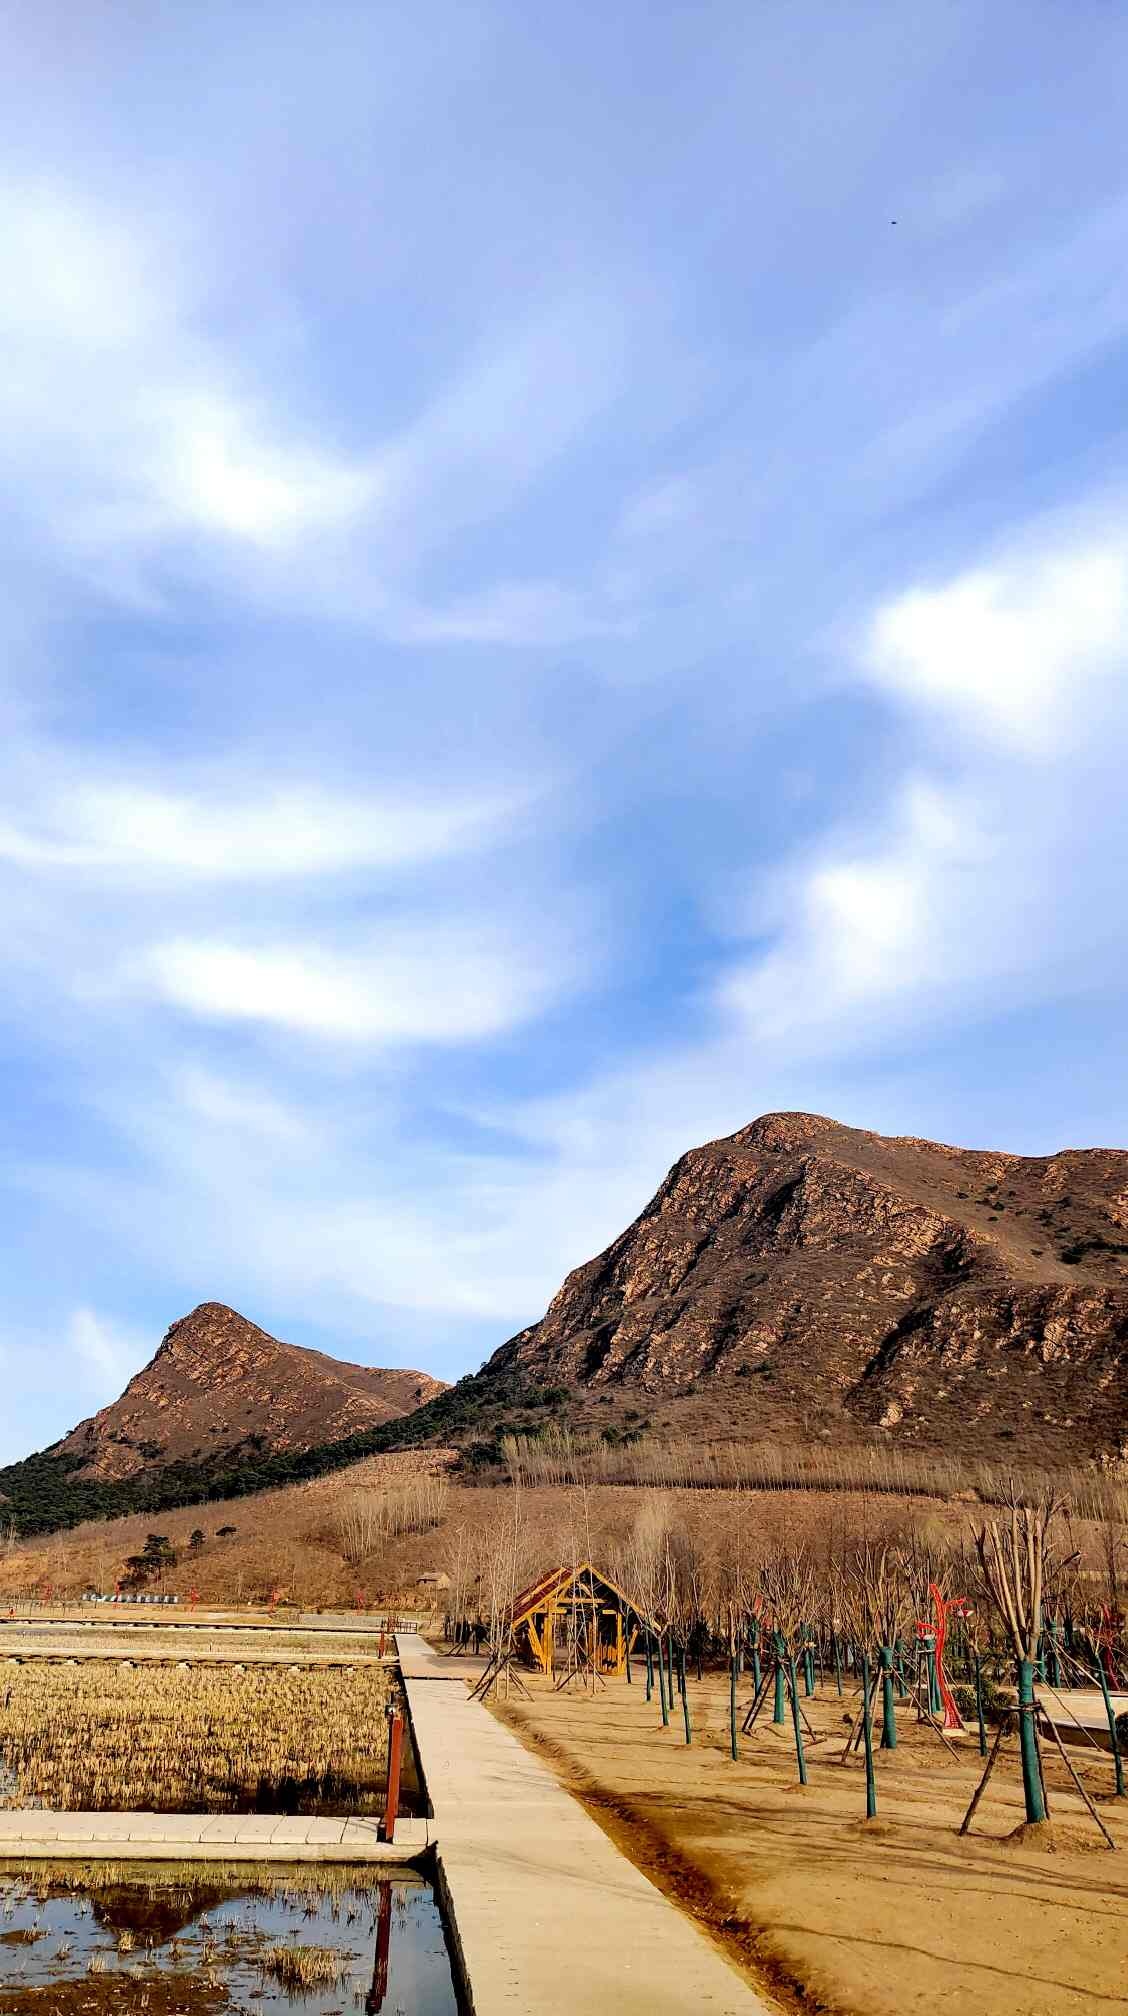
[1011, 651]
[226, 1108]
[223, 470]
[1001, 670]
[513, 613]
[125, 425]
[132, 438]
[106, 1353]
[872, 918]
[238, 826]
[437, 981]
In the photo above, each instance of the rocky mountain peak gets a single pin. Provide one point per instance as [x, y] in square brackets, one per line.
[784, 1133]
[218, 1383]
[804, 1278]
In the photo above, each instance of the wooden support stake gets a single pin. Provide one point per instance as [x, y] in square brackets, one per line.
[757, 1703]
[854, 1737]
[982, 1785]
[1053, 1729]
[1086, 1733]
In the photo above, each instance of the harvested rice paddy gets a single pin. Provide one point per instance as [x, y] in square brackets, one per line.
[109, 1738]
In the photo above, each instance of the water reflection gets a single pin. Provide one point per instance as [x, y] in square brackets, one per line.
[379, 1988]
[301, 1939]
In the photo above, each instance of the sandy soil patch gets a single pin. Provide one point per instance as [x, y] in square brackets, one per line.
[887, 1918]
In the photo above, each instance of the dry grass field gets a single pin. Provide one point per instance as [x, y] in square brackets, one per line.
[892, 1917]
[103, 1737]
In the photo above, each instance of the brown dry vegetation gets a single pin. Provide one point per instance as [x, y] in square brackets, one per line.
[320, 1545]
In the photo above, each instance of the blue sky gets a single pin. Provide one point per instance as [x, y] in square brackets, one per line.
[563, 583]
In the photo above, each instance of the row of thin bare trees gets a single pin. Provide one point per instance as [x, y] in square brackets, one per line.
[560, 1455]
[893, 1610]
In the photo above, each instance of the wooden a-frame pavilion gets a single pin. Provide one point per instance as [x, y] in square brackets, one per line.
[580, 1609]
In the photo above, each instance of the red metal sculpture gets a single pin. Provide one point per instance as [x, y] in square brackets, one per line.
[943, 1607]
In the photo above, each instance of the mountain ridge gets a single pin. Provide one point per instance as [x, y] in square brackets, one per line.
[797, 1280]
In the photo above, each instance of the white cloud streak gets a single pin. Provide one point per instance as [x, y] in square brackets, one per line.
[107, 1355]
[237, 828]
[417, 982]
[1011, 652]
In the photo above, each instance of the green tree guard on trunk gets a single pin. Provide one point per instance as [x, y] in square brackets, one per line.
[670, 1668]
[979, 1706]
[838, 1665]
[1031, 1770]
[684, 1695]
[867, 1737]
[808, 1672]
[778, 1708]
[649, 1668]
[801, 1759]
[754, 1635]
[888, 1712]
[662, 1696]
[734, 1668]
[1117, 1753]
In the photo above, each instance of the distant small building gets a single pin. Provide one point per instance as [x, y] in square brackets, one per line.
[433, 1580]
[576, 1615]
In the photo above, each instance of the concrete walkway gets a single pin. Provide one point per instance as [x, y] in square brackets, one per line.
[27, 1834]
[1079, 1713]
[546, 1915]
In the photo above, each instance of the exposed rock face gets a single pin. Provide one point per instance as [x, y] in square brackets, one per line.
[829, 1281]
[218, 1381]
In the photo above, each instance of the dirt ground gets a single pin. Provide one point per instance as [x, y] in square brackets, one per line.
[826, 1910]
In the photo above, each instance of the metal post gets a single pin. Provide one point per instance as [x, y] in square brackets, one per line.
[888, 1714]
[684, 1694]
[793, 1679]
[1114, 1735]
[867, 1730]
[1032, 1788]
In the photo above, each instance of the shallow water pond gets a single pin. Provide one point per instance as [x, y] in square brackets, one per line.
[175, 1943]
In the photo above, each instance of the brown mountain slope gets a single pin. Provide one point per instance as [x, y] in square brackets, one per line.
[218, 1381]
[802, 1277]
